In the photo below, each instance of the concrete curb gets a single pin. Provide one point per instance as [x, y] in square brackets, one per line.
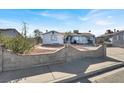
[75, 78]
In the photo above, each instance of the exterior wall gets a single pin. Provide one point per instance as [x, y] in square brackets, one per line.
[74, 54]
[118, 39]
[48, 40]
[80, 39]
[12, 61]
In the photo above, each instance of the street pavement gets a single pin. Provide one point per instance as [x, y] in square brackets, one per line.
[114, 76]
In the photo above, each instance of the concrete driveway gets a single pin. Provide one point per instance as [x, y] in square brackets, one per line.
[116, 53]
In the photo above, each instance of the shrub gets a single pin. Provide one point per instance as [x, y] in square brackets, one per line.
[18, 44]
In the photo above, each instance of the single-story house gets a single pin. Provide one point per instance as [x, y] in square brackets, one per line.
[80, 38]
[118, 39]
[10, 32]
[105, 38]
[52, 37]
[112, 39]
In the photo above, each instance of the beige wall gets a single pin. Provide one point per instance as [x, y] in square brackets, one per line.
[12, 61]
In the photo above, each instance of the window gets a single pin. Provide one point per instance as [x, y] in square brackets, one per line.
[117, 37]
[123, 36]
[53, 37]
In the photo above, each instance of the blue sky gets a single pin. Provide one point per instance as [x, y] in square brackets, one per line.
[63, 20]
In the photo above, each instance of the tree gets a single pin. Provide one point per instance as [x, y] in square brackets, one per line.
[109, 31]
[76, 31]
[67, 36]
[68, 33]
[17, 44]
[37, 35]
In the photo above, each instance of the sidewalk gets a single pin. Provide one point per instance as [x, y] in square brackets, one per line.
[116, 53]
[54, 73]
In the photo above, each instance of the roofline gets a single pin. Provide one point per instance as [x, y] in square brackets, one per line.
[119, 32]
[10, 29]
[52, 31]
[83, 34]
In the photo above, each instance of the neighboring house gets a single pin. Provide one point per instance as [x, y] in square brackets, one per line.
[80, 38]
[9, 32]
[53, 37]
[112, 39]
[106, 38]
[118, 39]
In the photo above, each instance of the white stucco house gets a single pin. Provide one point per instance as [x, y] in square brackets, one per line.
[53, 37]
[81, 38]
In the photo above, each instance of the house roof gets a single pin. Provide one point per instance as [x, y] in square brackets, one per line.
[111, 34]
[9, 30]
[121, 31]
[106, 35]
[82, 34]
[51, 32]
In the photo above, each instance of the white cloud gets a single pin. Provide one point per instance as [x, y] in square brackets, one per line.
[92, 14]
[60, 16]
[9, 24]
[103, 22]
[98, 17]
[3, 22]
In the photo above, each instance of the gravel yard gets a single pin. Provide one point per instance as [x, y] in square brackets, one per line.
[39, 49]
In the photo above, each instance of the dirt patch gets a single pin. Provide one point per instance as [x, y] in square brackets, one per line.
[44, 49]
[52, 45]
[80, 47]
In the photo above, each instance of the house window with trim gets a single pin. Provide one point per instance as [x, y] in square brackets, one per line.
[53, 37]
[117, 37]
[123, 36]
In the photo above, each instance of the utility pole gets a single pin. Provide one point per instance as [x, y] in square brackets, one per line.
[24, 29]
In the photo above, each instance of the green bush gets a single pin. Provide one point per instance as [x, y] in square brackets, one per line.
[18, 44]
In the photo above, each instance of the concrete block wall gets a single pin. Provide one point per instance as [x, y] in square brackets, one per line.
[0, 59]
[13, 61]
[74, 54]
